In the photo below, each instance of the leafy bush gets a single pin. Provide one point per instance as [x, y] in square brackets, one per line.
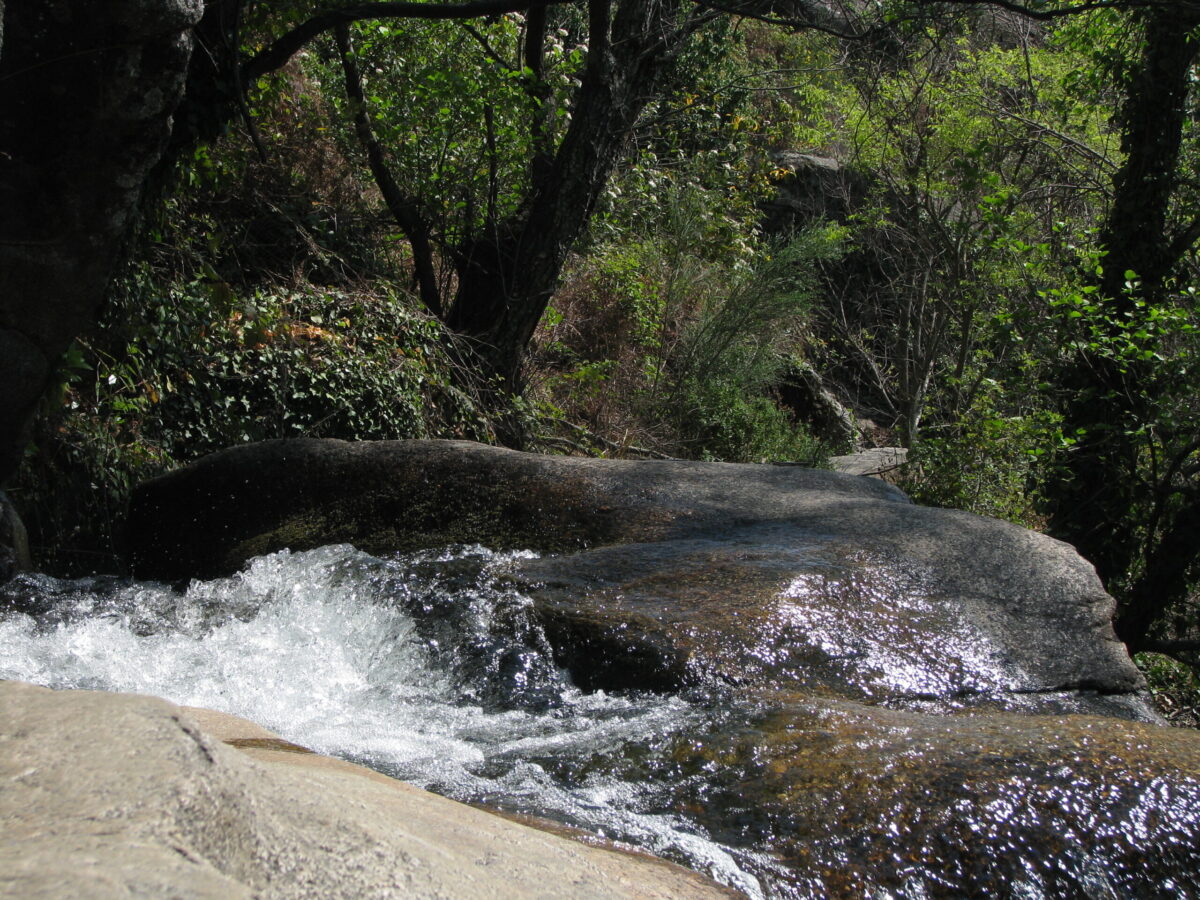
[179, 370]
[1175, 687]
[669, 340]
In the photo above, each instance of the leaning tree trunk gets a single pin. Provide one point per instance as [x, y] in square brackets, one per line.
[88, 90]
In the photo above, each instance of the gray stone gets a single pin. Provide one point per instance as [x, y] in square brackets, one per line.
[110, 795]
[905, 609]
[673, 573]
[208, 518]
[874, 462]
[814, 190]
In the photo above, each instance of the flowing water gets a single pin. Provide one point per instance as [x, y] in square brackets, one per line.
[424, 666]
[433, 667]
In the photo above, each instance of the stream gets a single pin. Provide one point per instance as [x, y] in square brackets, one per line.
[433, 667]
[425, 667]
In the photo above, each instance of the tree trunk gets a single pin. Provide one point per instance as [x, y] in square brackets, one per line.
[87, 94]
[1170, 570]
[1098, 491]
[506, 279]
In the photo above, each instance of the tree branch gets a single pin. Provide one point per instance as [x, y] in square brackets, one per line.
[240, 87]
[536, 25]
[808, 22]
[489, 51]
[1058, 12]
[402, 209]
[287, 45]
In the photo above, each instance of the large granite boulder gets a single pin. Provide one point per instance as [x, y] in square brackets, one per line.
[673, 572]
[112, 795]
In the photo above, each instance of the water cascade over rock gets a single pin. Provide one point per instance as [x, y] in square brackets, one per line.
[794, 680]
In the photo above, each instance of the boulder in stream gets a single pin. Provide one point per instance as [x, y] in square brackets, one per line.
[666, 573]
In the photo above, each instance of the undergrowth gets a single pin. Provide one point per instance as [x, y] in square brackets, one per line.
[179, 370]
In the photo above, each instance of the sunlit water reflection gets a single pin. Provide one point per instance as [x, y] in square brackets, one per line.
[421, 667]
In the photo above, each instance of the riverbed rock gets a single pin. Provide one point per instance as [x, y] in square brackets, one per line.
[892, 604]
[874, 462]
[209, 517]
[670, 573]
[860, 801]
[924, 702]
[111, 795]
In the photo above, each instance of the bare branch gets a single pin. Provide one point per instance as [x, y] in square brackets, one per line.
[807, 22]
[489, 51]
[1045, 13]
[286, 46]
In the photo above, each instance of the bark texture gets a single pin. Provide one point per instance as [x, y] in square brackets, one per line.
[88, 90]
[506, 279]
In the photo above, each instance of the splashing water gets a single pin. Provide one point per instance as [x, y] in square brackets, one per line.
[433, 667]
[426, 667]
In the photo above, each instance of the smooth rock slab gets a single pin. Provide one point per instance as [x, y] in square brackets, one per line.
[208, 518]
[114, 795]
[876, 462]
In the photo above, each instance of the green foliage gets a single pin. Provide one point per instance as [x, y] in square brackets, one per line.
[734, 351]
[451, 104]
[670, 340]
[1174, 686]
[985, 462]
[178, 370]
[951, 302]
[982, 162]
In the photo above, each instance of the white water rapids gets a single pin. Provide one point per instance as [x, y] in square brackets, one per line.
[425, 667]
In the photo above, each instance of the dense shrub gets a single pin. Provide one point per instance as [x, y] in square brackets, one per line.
[179, 370]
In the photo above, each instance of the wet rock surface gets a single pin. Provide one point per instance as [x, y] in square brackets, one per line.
[859, 801]
[770, 607]
[905, 702]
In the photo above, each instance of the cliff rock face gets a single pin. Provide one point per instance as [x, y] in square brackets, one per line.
[116, 795]
[88, 90]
